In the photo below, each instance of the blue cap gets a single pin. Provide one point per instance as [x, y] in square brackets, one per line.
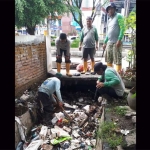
[110, 5]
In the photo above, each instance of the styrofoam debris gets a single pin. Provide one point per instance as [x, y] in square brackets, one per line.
[59, 115]
[87, 108]
[34, 145]
[54, 120]
[75, 134]
[43, 132]
[125, 132]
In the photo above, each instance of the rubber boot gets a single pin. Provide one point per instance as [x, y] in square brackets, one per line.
[109, 64]
[118, 68]
[58, 67]
[68, 70]
[58, 70]
[84, 67]
[92, 65]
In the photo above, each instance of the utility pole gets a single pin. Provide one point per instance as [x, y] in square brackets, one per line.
[48, 25]
[126, 6]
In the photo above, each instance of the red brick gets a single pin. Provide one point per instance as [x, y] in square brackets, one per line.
[23, 58]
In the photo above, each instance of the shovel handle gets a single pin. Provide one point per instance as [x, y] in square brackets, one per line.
[62, 107]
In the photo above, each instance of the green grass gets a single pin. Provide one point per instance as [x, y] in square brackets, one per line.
[117, 110]
[107, 134]
[52, 43]
[75, 43]
[120, 111]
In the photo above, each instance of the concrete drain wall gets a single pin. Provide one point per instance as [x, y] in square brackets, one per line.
[26, 121]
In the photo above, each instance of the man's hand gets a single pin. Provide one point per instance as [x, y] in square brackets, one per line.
[60, 104]
[118, 43]
[80, 48]
[96, 48]
[100, 84]
[104, 46]
[97, 81]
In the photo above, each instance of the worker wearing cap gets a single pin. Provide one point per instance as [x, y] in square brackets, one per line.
[88, 38]
[109, 83]
[113, 40]
[63, 46]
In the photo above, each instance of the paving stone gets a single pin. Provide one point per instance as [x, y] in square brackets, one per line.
[134, 119]
[131, 140]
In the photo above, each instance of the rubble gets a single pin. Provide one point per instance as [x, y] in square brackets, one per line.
[76, 134]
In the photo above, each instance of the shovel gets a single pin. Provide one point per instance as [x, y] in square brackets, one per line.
[62, 108]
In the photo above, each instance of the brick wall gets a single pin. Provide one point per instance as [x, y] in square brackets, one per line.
[30, 63]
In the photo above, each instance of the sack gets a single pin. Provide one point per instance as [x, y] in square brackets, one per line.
[80, 67]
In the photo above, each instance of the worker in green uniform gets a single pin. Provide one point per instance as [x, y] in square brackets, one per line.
[113, 40]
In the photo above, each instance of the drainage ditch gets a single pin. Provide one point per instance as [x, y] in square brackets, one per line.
[62, 133]
[81, 132]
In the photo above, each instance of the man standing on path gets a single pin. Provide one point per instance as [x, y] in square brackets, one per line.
[63, 46]
[88, 37]
[112, 42]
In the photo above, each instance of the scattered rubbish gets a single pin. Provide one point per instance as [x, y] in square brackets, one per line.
[80, 99]
[20, 146]
[59, 140]
[125, 132]
[87, 73]
[43, 132]
[24, 97]
[134, 119]
[100, 99]
[21, 128]
[78, 131]
[34, 145]
[76, 74]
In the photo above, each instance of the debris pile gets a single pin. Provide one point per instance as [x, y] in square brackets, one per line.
[78, 131]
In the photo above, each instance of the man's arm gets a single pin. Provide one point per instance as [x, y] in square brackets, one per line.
[106, 39]
[81, 40]
[121, 25]
[68, 48]
[58, 91]
[96, 38]
[111, 79]
[57, 47]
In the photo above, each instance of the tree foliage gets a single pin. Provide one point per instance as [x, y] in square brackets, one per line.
[130, 23]
[75, 8]
[28, 13]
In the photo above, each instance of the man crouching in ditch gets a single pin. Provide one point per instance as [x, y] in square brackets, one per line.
[109, 84]
[45, 91]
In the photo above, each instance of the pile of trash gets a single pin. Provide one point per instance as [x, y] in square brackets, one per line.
[73, 129]
[25, 102]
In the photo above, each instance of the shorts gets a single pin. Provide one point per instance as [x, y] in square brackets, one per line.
[88, 51]
[113, 54]
[59, 60]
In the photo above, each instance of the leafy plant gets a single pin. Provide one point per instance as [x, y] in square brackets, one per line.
[129, 74]
[120, 110]
[130, 23]
[107, 134]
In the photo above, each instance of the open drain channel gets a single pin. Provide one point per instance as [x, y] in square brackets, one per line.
[65, 134]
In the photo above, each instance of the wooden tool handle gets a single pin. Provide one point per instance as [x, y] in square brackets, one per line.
[61, 107]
